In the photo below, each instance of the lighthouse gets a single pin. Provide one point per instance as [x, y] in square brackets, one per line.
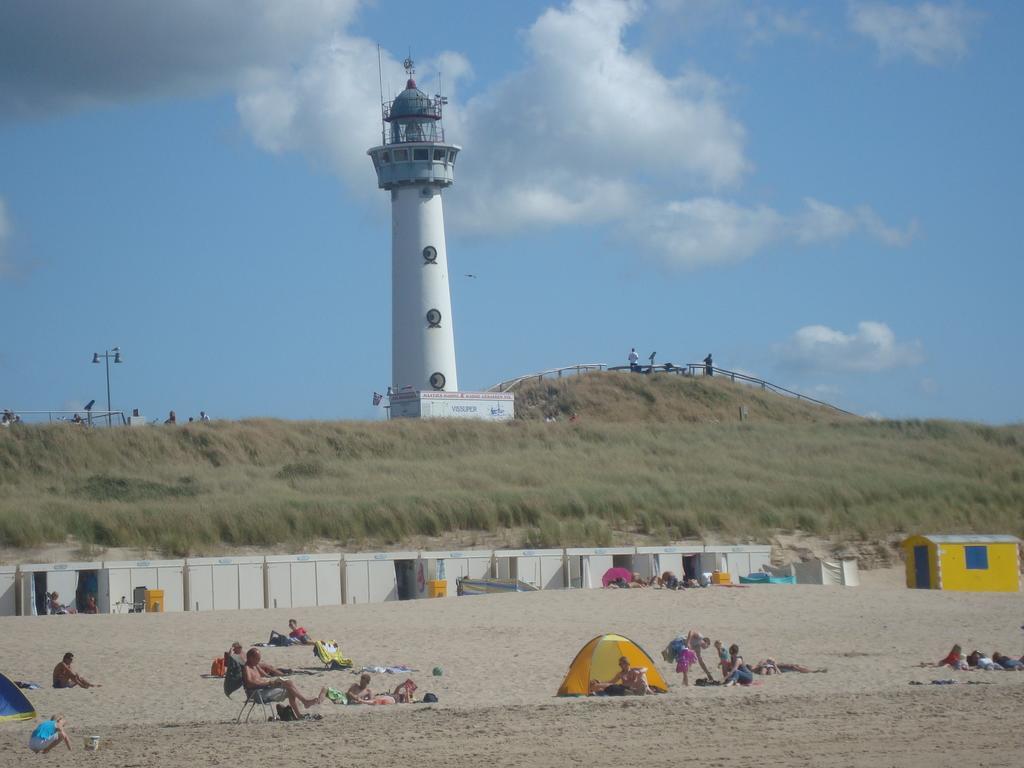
[415, 164]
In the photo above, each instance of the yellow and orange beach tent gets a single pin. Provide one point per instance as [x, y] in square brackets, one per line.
[599, 660]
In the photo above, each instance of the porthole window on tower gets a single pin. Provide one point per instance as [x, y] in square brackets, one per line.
[433, 318]
[420, 154]
[430, 254]
[437, 380]
[438, 155]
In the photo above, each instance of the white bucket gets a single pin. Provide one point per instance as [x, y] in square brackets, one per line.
[92, 743]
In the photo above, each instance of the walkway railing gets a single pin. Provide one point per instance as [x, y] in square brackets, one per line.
[505, 386]
[87, 418]
[689, 369]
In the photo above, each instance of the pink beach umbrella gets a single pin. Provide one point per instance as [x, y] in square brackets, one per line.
[614, 574]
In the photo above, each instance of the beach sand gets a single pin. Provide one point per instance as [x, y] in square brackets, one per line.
[503, 658]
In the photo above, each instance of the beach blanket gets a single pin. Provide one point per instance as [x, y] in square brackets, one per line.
[394, 670]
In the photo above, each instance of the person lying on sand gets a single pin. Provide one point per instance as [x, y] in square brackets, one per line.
[978, 660]
[772, 667]
[1014, 665]
[954, 659]
[65, 677]
[268, 680]
[299, 634]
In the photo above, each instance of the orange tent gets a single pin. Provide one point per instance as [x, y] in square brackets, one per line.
[599, 660]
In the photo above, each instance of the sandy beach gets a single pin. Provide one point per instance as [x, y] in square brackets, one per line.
[503, 657]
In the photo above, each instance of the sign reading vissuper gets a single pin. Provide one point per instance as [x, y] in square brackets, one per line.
[486, 406]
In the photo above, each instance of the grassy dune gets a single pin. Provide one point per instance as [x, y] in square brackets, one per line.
[659, 456]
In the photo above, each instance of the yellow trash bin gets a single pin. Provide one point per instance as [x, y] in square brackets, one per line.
[437, 588]
[154, 601]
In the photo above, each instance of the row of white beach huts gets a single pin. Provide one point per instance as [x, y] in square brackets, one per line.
[294, 581]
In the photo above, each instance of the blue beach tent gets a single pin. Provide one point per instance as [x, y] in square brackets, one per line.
[13, 704]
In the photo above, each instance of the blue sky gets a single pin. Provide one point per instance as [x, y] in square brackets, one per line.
[821, 194]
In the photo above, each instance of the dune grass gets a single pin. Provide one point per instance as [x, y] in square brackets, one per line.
[671, 462]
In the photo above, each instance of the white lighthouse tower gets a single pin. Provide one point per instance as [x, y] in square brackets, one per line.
[414, 163]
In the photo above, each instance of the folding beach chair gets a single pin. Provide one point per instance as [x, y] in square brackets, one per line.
[329, 654]
[233, 681]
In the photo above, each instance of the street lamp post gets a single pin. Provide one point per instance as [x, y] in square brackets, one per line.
[114, 353]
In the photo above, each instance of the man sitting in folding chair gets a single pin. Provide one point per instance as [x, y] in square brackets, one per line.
[264, 684]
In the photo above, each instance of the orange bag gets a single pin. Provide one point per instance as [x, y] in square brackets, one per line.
[217, 669]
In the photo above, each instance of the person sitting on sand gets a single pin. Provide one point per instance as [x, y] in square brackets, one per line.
[47, 735]
[405, 692]
[628, 679]
[741, 673]
[360, 693]
[669, 580]
[298, 633]
[54, 606]
[772, 667]
[90, 604]
[267, 682]
[65, 677]
[954, 659]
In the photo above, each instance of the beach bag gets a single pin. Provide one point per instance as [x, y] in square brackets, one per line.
[286, 713]
[218, 667]
[429, 698]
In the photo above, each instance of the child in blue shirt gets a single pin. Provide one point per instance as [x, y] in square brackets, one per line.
[48, 734]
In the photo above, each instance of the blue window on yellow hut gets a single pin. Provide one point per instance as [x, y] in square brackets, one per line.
[977, 558]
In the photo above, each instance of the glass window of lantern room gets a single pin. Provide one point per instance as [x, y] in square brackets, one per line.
[438, 155]
[420, 154]
[385, 157]
[401, 155]
[451, 156]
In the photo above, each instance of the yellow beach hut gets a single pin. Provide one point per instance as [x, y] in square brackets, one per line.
[963, 563]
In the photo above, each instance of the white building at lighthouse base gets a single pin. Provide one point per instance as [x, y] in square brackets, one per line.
[484, 406]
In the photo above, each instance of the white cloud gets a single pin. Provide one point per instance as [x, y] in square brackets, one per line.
[5, 231]
[871, 348]
[587, 130]
[929, 32]
[57, 57]
[709, 230]
[561, 140]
